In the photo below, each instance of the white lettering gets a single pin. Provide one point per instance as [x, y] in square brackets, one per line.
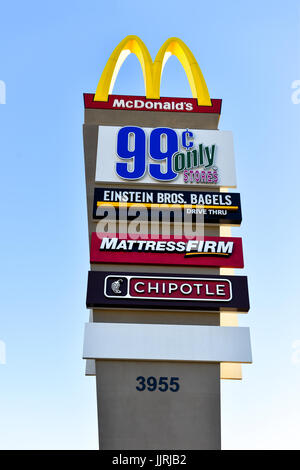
[172, 287]
[118, 103]
[224, 247]
[220, 289]
[155, 288]
[108, 243]
[139, 104]
[192, 245]
[136, 287]
[186, 292]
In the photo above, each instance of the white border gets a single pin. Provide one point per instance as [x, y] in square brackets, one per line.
[128, 296]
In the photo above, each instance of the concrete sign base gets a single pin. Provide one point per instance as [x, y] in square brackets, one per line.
[133, 417]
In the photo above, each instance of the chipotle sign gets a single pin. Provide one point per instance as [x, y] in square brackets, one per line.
[135, 290]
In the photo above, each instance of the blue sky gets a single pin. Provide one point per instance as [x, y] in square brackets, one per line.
[51, 53]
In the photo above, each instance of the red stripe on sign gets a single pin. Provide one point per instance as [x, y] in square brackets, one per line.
[208, 251]
[202, 289]
[140, 103]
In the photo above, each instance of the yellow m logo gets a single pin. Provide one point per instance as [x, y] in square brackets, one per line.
[152, 71]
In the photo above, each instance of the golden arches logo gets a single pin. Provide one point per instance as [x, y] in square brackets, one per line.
[152, 71]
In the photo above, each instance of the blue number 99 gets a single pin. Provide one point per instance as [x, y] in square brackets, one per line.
[137, 155]
[157, 154]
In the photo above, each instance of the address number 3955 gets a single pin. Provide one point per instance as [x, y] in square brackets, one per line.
[161, 384]
[132, 148]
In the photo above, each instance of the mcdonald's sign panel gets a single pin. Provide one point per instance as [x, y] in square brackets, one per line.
[163, 104]
[215, 208]
[171, 250]
[163, 155]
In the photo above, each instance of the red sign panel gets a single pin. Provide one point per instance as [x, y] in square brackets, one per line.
[187, 289]
[200, 251]
[140, 103]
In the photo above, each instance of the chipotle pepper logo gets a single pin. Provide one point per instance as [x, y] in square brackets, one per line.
[116, 286]
[148, 287]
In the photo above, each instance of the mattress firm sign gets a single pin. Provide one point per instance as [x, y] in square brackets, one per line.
[217, 208]
[172, 250]
[139, 290]
[165, 156]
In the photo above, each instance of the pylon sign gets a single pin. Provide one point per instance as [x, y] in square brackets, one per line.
[161, 279]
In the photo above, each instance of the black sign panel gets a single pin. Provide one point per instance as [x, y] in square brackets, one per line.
[176, 291]
[217, 208]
